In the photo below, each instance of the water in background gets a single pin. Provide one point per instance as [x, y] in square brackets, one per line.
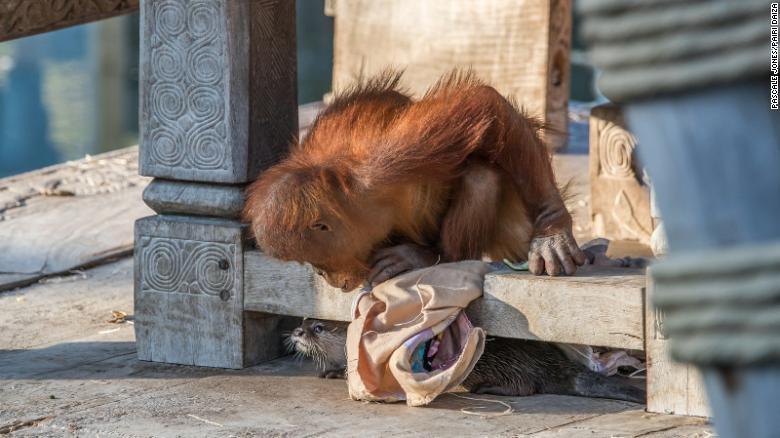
[73, 92]
[68, 93]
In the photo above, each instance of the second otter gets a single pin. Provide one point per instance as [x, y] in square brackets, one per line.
[512, 367]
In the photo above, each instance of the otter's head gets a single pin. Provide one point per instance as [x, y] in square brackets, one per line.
[319, 340]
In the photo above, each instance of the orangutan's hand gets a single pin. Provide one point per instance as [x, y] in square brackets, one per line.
[388, 262]
[557, 254]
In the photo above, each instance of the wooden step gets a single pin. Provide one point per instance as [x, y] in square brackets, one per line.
[598, 306]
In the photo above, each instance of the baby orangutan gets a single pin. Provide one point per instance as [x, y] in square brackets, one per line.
[383, 184]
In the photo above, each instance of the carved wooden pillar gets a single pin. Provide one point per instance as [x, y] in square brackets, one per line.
[218, 105]
[620, 199]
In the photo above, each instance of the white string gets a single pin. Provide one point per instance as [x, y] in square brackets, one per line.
[213, 423]
[466, 410]
[354, 308]
[576, 350]
[592, 364]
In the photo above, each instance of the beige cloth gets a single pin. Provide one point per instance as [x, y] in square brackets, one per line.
[405, 312]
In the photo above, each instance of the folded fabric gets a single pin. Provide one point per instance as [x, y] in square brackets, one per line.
[410, 339]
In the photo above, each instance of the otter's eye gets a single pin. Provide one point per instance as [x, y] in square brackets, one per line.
[319, 226]
[318, 329]
[320, 272]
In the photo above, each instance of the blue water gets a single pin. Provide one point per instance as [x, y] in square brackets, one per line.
[44, 99]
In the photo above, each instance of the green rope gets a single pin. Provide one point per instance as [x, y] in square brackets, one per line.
[516, 266]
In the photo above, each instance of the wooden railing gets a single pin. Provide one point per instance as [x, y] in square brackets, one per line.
[19, 18]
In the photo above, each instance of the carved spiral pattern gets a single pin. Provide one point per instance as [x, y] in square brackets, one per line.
[166, 145]
[204, 103]
[169, 64]
[616, 148]
[170, 18]
[200, 20]
[187, 86]
[204, 67]
[163, 262]
[168, 101]
[186, 266]
[208, 151]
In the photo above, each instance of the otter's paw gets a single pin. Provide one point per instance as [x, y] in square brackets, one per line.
[336, 373]
[557, 254]
[388, 262]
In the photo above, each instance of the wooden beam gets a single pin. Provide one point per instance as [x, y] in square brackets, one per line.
[285, 288]
[19, 18]
[597, 307]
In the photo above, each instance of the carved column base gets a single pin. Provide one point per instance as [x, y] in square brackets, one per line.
[189, 295]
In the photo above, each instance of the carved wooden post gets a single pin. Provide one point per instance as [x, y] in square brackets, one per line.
[620, 199]
[672, 387]
[521, 47]
[218, 105]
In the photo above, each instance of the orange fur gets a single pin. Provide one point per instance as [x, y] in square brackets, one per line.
[462, 169]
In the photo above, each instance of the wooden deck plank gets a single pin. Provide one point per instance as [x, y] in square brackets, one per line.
[59, 355]
[70, 234]
[70, 215]
[601, 306]
[630, 424]
[65, 307]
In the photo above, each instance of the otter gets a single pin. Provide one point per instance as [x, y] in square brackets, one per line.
[518, 367]
[325, 342]
[510, 367]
